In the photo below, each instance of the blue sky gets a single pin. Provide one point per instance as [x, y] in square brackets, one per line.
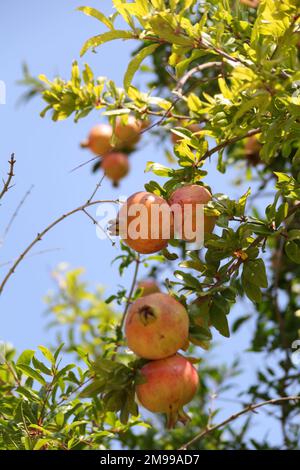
[47, 36]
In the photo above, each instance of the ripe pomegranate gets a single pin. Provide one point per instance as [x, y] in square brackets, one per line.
[156, 326]
[251, 3]
[145, 222]
[149, 286]
[192, 127]
[184, 203]
[99, 139]
[170, 384]
[115, 165]
[128, 134]
[252, 150]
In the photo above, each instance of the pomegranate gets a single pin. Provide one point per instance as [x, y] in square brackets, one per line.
[145, 222]
[170, 384]
[252, 150]
[99, 139]
[184, 203]
[251, 3]
[191, 127]
[149, 286]
[128, 134]
[156, 326]
[115, 165]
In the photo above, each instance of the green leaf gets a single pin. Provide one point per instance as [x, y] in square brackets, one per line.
[96, 41]
[31, 373]
[254, 272]
[292, 249]
[48, 354]
[89, 11]
[252, 291]
[92, 389]
[219, 321]
[25, 357]
[158, 169]
[135, 63]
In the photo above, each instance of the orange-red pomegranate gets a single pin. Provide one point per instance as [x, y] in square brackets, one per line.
[128, 134]
[145, 222]
[251, 3]
[192, 127]
[115, 165]
[99, 139]
[252, 150]
[149, 286]
[184, 201]
[170, 384]
[156, 326]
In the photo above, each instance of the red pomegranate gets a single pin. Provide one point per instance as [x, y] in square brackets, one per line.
[145, 222]
[149, 286]
[156, 326]
[252, 150]
[115, 165]
[184, 201]
[99, 140]
[128, 134]
[170, 384]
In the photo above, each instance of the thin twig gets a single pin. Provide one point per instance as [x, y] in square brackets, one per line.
[13, 217]
[41, 234]
[84, 163]
[129, 297]
[199, 68]
[233, 417]
[98, 185]
[6, 184]
[49, 250]
[127, 304]
[227, 142]
[99, 226]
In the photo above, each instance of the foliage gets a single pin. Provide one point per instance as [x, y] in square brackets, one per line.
[234, 71]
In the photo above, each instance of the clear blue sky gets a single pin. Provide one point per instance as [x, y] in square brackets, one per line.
[48, 36]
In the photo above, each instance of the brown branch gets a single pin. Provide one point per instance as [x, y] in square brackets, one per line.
[227, 142]
[6, 184]
[191, 72]
[233, 417]
[179, 91]
[129, 297]
[95, 222]
[41, 234]
[13, 217]
[128, 302]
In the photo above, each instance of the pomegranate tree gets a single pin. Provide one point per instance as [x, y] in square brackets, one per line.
[170, 384]
[145, 222]
[156, 326]
[185, 202]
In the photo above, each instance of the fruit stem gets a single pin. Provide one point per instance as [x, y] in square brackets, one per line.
[84, 144]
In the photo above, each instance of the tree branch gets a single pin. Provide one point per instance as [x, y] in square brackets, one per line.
[233, 417]
[224, 144]
[41, 234]
[6, 185]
